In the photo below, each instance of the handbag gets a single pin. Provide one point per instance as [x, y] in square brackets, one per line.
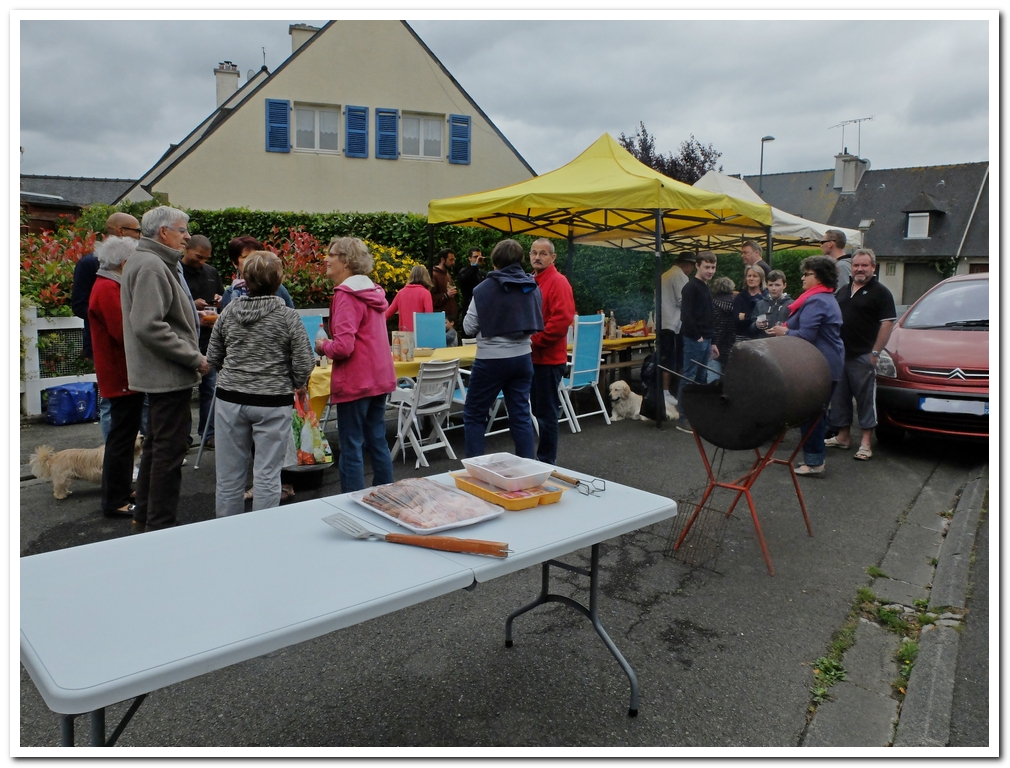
[71, 403]
[311, 445]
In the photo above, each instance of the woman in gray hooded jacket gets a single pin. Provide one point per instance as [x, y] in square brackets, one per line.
[262, 354]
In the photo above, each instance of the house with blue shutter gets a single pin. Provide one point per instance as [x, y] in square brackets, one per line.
[361, 116]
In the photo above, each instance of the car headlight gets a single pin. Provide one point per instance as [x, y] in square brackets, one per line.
[886, 366]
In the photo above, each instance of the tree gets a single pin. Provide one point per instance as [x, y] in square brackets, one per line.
[692, 162]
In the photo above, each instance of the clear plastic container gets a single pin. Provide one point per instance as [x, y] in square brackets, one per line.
[508, 472]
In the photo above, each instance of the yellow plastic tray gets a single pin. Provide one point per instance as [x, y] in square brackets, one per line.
[548, 493]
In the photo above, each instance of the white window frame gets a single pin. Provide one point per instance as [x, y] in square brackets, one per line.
[333, 109]
[422, 117]
[917, 218]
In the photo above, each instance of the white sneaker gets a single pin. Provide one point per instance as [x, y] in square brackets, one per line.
[670, 399]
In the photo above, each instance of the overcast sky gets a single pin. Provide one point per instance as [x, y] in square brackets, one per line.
[101, 98]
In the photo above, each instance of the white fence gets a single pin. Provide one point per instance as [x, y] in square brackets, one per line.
[34, 384]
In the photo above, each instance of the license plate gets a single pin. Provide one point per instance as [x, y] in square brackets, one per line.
[939, 405]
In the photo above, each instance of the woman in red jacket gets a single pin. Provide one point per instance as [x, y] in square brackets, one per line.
[105, 317]
[363, 371]
[415, 296]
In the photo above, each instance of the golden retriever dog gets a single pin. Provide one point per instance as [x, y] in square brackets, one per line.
[625, 404]
[72, 464]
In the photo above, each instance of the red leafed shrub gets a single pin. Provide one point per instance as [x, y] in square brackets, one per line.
[47, 268]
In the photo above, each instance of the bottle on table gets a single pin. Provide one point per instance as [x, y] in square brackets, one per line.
[320, 336]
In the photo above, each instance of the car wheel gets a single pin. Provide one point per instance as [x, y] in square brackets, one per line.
[887, 435]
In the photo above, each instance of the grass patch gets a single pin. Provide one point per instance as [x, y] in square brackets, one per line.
[865, 595]
[925, 619]
[843, 639]
[876, 573]
[933, 561]
[906, 660]
[892, 620]
[921, 604]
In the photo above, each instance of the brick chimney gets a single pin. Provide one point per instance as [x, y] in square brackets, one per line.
[227, 76]
[300, 34]
[849, 170]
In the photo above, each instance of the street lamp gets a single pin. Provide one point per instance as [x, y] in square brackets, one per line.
[761, 174]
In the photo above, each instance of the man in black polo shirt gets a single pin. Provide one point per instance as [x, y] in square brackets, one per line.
[868, 316]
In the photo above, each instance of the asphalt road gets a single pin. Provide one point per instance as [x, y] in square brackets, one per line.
[722, 656]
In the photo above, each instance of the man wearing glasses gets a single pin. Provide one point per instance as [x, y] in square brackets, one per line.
[161, 339]
[833, 246]
[118, 224]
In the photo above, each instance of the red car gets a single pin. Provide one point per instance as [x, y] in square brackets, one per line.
[933, 375]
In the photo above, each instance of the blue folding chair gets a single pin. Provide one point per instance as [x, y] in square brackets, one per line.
[429, 329]
[584, 368]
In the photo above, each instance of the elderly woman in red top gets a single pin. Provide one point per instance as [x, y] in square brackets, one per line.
[415, 296]
[363, 371]
[105, 317]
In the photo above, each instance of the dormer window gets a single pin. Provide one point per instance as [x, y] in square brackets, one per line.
[918, 226]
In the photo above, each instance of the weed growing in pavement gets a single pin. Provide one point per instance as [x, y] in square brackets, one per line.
[827, 672]
[906, 654]
[844, 639]
[948, 513]
[865, 595]
[892, 620]
[921, 604]
[933, 561]
[925, 618]
[876, 573]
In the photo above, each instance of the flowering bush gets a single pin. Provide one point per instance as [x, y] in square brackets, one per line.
[47, 268]
[304, 259]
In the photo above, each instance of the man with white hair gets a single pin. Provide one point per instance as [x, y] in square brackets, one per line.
[161, 339]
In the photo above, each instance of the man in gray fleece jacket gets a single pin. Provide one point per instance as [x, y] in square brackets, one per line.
[161, 341]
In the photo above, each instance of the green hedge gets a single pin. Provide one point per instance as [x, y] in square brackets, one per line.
[603, 278]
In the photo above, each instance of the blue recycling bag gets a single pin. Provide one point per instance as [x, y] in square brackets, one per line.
[71, 403]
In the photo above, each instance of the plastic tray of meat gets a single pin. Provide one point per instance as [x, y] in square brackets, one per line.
[425, 506]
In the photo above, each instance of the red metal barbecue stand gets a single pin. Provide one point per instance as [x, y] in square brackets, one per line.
[743, 485]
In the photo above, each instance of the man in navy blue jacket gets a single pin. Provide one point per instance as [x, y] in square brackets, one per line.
[697, 328]
[118, 224]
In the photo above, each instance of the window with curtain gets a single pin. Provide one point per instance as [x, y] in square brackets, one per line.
[421, 136]
[316, 128]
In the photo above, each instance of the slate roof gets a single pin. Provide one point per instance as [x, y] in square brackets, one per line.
[81, 190]
[886, 196]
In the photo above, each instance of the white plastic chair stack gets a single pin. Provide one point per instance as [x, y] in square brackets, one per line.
[430, 396]
[584, 368]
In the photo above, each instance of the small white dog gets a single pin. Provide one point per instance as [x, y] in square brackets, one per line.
[72, 464]
[627, 405]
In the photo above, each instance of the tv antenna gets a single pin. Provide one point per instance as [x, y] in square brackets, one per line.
[859, 129]
[264, 56]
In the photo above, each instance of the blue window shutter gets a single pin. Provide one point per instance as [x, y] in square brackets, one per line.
[386, 134]
[278, 125]
[356, 126]
[459, 139]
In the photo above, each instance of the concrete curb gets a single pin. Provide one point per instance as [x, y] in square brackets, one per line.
[865, 717]
[925, 715]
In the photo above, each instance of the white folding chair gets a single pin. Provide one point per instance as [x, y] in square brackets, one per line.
[429, 329]
[431, 396]
[584, 368]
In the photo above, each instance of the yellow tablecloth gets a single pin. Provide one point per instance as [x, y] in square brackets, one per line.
[319, 381]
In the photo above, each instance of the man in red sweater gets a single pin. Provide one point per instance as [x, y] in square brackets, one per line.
[550, 346]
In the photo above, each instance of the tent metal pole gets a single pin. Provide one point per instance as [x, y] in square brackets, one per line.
[769, 243]
[570, 268]
[657, 384]
[431, 246]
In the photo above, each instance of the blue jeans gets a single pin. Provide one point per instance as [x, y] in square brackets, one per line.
[696, 354]
[208, 385]
[814, 451]
[546, 402]
[105, 417]
[361, 424]
[512, 376]
[716, 373]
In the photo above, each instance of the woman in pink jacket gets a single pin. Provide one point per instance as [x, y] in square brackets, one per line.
[415, 296]
[362, 364]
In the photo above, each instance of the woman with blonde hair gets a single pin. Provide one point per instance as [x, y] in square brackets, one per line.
[415, 296]
[743, 305]
[363, 371]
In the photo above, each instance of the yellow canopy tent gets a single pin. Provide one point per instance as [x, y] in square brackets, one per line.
[606, 196]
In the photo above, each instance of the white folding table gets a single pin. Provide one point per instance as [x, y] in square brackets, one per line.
[204, 596]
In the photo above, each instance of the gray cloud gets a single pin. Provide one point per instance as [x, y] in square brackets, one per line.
[552, 87]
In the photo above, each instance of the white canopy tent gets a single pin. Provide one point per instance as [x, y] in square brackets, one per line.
[787, 229]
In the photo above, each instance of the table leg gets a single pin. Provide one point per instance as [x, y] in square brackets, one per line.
[591, 613]
[98, 727]
[67, 730]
